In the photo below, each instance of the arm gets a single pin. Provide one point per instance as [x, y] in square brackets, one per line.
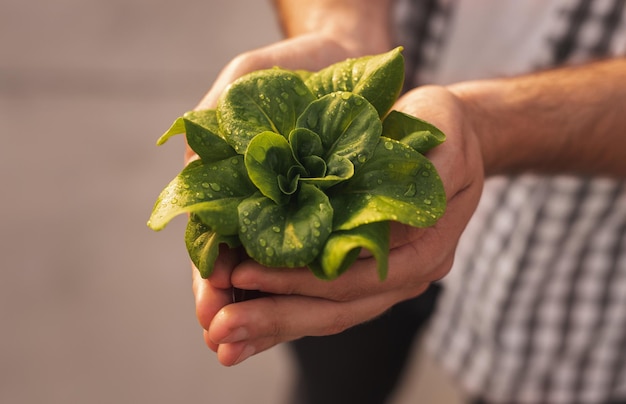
[361, 23]
[568, 120]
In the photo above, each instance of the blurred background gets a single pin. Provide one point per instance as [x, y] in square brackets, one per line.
[94, 306]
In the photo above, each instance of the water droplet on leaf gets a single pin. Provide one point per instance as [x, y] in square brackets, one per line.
[411, 190]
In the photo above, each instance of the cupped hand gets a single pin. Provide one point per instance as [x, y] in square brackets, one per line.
[299, 304]
[308, 52]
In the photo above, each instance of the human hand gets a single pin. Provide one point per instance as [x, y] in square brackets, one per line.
[300, 304]
[309, 52]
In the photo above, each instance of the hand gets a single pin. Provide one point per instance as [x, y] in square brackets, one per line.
[309, 52]
[302, 305]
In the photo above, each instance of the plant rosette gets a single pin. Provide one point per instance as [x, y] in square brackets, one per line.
[305, 168]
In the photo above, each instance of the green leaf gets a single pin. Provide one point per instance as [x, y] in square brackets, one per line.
[378, 78]
[207, 118]
[210, 190]
[209, 146]
[266, 100]
[305, 143]
[177, 128]
[203, 245]
[397, 184]
[342, 249]
[417, 133]
[347, 125]
[200, 128]
[202, 133]
[268, 158]
[289, 235]
[307, 148]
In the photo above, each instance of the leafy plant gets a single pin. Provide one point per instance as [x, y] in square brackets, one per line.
[305, 168]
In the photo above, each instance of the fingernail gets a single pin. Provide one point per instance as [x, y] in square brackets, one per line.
[239, 334]
[247, 352]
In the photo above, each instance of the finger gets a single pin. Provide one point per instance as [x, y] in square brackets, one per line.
[247, 328]
[236, 352]
[209, 299]
[308, 52]
[212, 346]
[227, 259]
[287, 317]
[409, 266]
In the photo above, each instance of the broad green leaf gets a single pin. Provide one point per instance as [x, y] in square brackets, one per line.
[266, 100]
[419, 134]
[378, 78]
[209, 146]
[396, 184]
[342, 249]
[200, 130]
[203, 245]
[267, 158]
[347, 125]
[212, 191]
[207, 118]
[289, 235]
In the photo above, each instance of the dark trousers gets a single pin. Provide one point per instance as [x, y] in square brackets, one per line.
[362, 364]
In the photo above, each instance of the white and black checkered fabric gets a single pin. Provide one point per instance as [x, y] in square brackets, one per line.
[421, 29]
[534, 309]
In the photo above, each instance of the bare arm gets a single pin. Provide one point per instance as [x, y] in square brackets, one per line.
[566, 120]
[360, 23]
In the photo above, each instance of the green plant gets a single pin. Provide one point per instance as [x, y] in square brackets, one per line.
[305, 168]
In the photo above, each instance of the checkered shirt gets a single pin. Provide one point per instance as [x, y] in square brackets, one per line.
[534, 309]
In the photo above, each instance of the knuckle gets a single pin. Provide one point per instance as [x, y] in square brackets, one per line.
[246, 62]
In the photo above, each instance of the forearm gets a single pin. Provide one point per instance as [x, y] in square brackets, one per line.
[361, 25]
[568, 120]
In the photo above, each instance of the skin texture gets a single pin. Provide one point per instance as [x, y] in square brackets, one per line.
[542, 122]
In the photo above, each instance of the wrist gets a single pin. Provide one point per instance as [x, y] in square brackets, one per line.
[361, 27]
[518, 127]
[476, 98]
